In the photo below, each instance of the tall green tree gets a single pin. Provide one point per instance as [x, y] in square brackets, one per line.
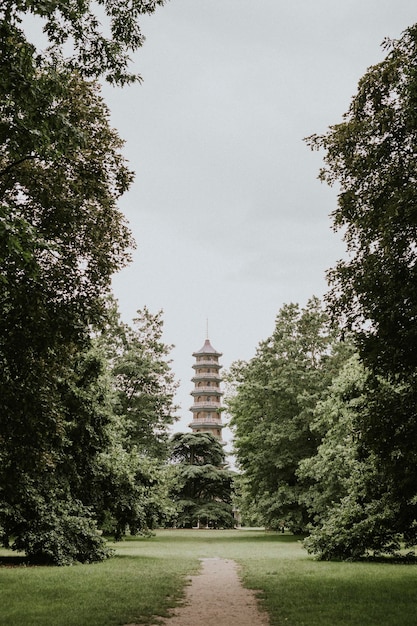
[350, 496]
[51, 439]
[272, 407]
[372, 156]
[132, 494]
[61, 238]
[145, 385]
[201, 483]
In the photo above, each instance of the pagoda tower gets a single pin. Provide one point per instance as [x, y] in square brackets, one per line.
[207, 396]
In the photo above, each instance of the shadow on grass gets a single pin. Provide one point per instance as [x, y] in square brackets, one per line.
[228, 536]
[391, 559]
[264, 537]
[15, 561]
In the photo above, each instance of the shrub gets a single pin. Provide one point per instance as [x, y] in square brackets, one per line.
[63, 538]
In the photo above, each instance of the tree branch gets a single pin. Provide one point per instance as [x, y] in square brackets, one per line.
[7, 169]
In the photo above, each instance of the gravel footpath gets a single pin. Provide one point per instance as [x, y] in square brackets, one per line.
[216, 597]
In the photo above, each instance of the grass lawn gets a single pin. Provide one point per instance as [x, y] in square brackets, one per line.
[147, 576]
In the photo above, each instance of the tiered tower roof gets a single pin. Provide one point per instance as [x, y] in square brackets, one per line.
[207, 349]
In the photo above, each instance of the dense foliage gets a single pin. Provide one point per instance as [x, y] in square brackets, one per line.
[145, 386]
[272, 405]
[202, 485]
[133, 493]
[372, 156]
[350, 498]
[61, 239]
[100, 34]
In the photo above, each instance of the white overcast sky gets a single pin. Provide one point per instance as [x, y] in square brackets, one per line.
[229, 217]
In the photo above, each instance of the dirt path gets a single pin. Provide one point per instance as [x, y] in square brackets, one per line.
[216, 597]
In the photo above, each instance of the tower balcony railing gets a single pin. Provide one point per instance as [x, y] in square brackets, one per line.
[203, 422]
[207, 364]
[206, 375]
[206, 389]
[209, 405]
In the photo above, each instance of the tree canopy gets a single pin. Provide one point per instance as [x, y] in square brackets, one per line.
[350, 496]
[271, 411]
[202, 485]
[100, 35]
[131, 492]
[145, 385]
[62, 237]
[372, 156]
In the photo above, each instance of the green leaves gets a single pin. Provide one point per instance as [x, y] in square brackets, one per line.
[272, 408]
[144, 383]
[62, 534]
[196, 449]
[202, 486]
[372, 155]
[102, 35]
[62, 237]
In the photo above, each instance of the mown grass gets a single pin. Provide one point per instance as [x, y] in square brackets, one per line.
[130, 588]
[147, 577]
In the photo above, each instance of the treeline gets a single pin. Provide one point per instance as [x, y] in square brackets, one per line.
[325, 414]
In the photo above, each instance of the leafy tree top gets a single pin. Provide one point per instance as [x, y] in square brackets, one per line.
[101, 34]
[271, 408]
[372, 156]
[197, 449]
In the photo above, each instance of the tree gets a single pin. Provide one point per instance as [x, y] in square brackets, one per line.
[62, 237]
[349, 498]
[272, 407]
[131, 493]
[202, 486]
[145, 386]
[78, 25]
[51, 436]
[372, 155]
